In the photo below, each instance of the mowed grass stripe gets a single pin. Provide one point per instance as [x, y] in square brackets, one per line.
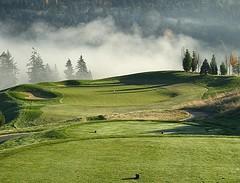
[111, 160]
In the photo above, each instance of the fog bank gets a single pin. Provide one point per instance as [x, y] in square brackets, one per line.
[107, 50]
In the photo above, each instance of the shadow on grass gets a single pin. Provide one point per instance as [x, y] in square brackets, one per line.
[77, 83]
[137, 177]
[199, 128]
[211, 116]
[176, 77]
[130, 178]
[9, 107]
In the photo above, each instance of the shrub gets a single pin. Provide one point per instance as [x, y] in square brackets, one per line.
[96, 118]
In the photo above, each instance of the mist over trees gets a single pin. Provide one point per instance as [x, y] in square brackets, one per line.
[69, 72]
[38, 71]
[82, 72]
[8, 70]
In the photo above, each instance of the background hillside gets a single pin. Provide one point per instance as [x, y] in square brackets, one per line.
[211, 21]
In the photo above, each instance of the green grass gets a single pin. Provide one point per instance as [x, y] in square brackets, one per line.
[120, 150]
[59, 102]
[70, 138]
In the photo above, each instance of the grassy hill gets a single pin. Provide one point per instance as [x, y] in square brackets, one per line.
[108, 130]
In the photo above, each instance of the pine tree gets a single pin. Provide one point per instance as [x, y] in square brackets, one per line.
[8, 70]
[194, 62]
[223, 69]
[205, 68]
[82, 70]
[36, 69]
[69, 70]
[213, 66]
[187, 61]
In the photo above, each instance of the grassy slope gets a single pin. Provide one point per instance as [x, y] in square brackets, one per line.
[71, 99]
[119, 149]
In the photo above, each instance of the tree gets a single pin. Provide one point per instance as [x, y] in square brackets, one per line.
[8, 70]
[69, 70]
[205, 68]
[187, 61]
[236, 69]
[36, 70]
[195, 60]
[223, 69]
[233, 61]
[82, 70]
[213, 66]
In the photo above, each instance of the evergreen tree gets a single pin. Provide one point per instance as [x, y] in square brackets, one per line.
[213, 66]
[36, 70]
[205, 68]
[223, 69]
[82, 70]
[194, 62]
[8, 70]
[69, 70]
[187, 62]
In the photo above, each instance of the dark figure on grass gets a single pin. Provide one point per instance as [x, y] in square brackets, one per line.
[137, 176]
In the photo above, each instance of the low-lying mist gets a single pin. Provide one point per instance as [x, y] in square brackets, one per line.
[107, 50]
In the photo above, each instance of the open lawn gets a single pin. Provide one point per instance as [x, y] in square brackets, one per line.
[119, 150]
[109, 130]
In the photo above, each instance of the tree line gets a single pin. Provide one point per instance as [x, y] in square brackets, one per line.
[38, 71]
[192, 63]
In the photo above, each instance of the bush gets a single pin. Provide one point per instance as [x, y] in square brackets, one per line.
[53, 134]
[96, 118]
